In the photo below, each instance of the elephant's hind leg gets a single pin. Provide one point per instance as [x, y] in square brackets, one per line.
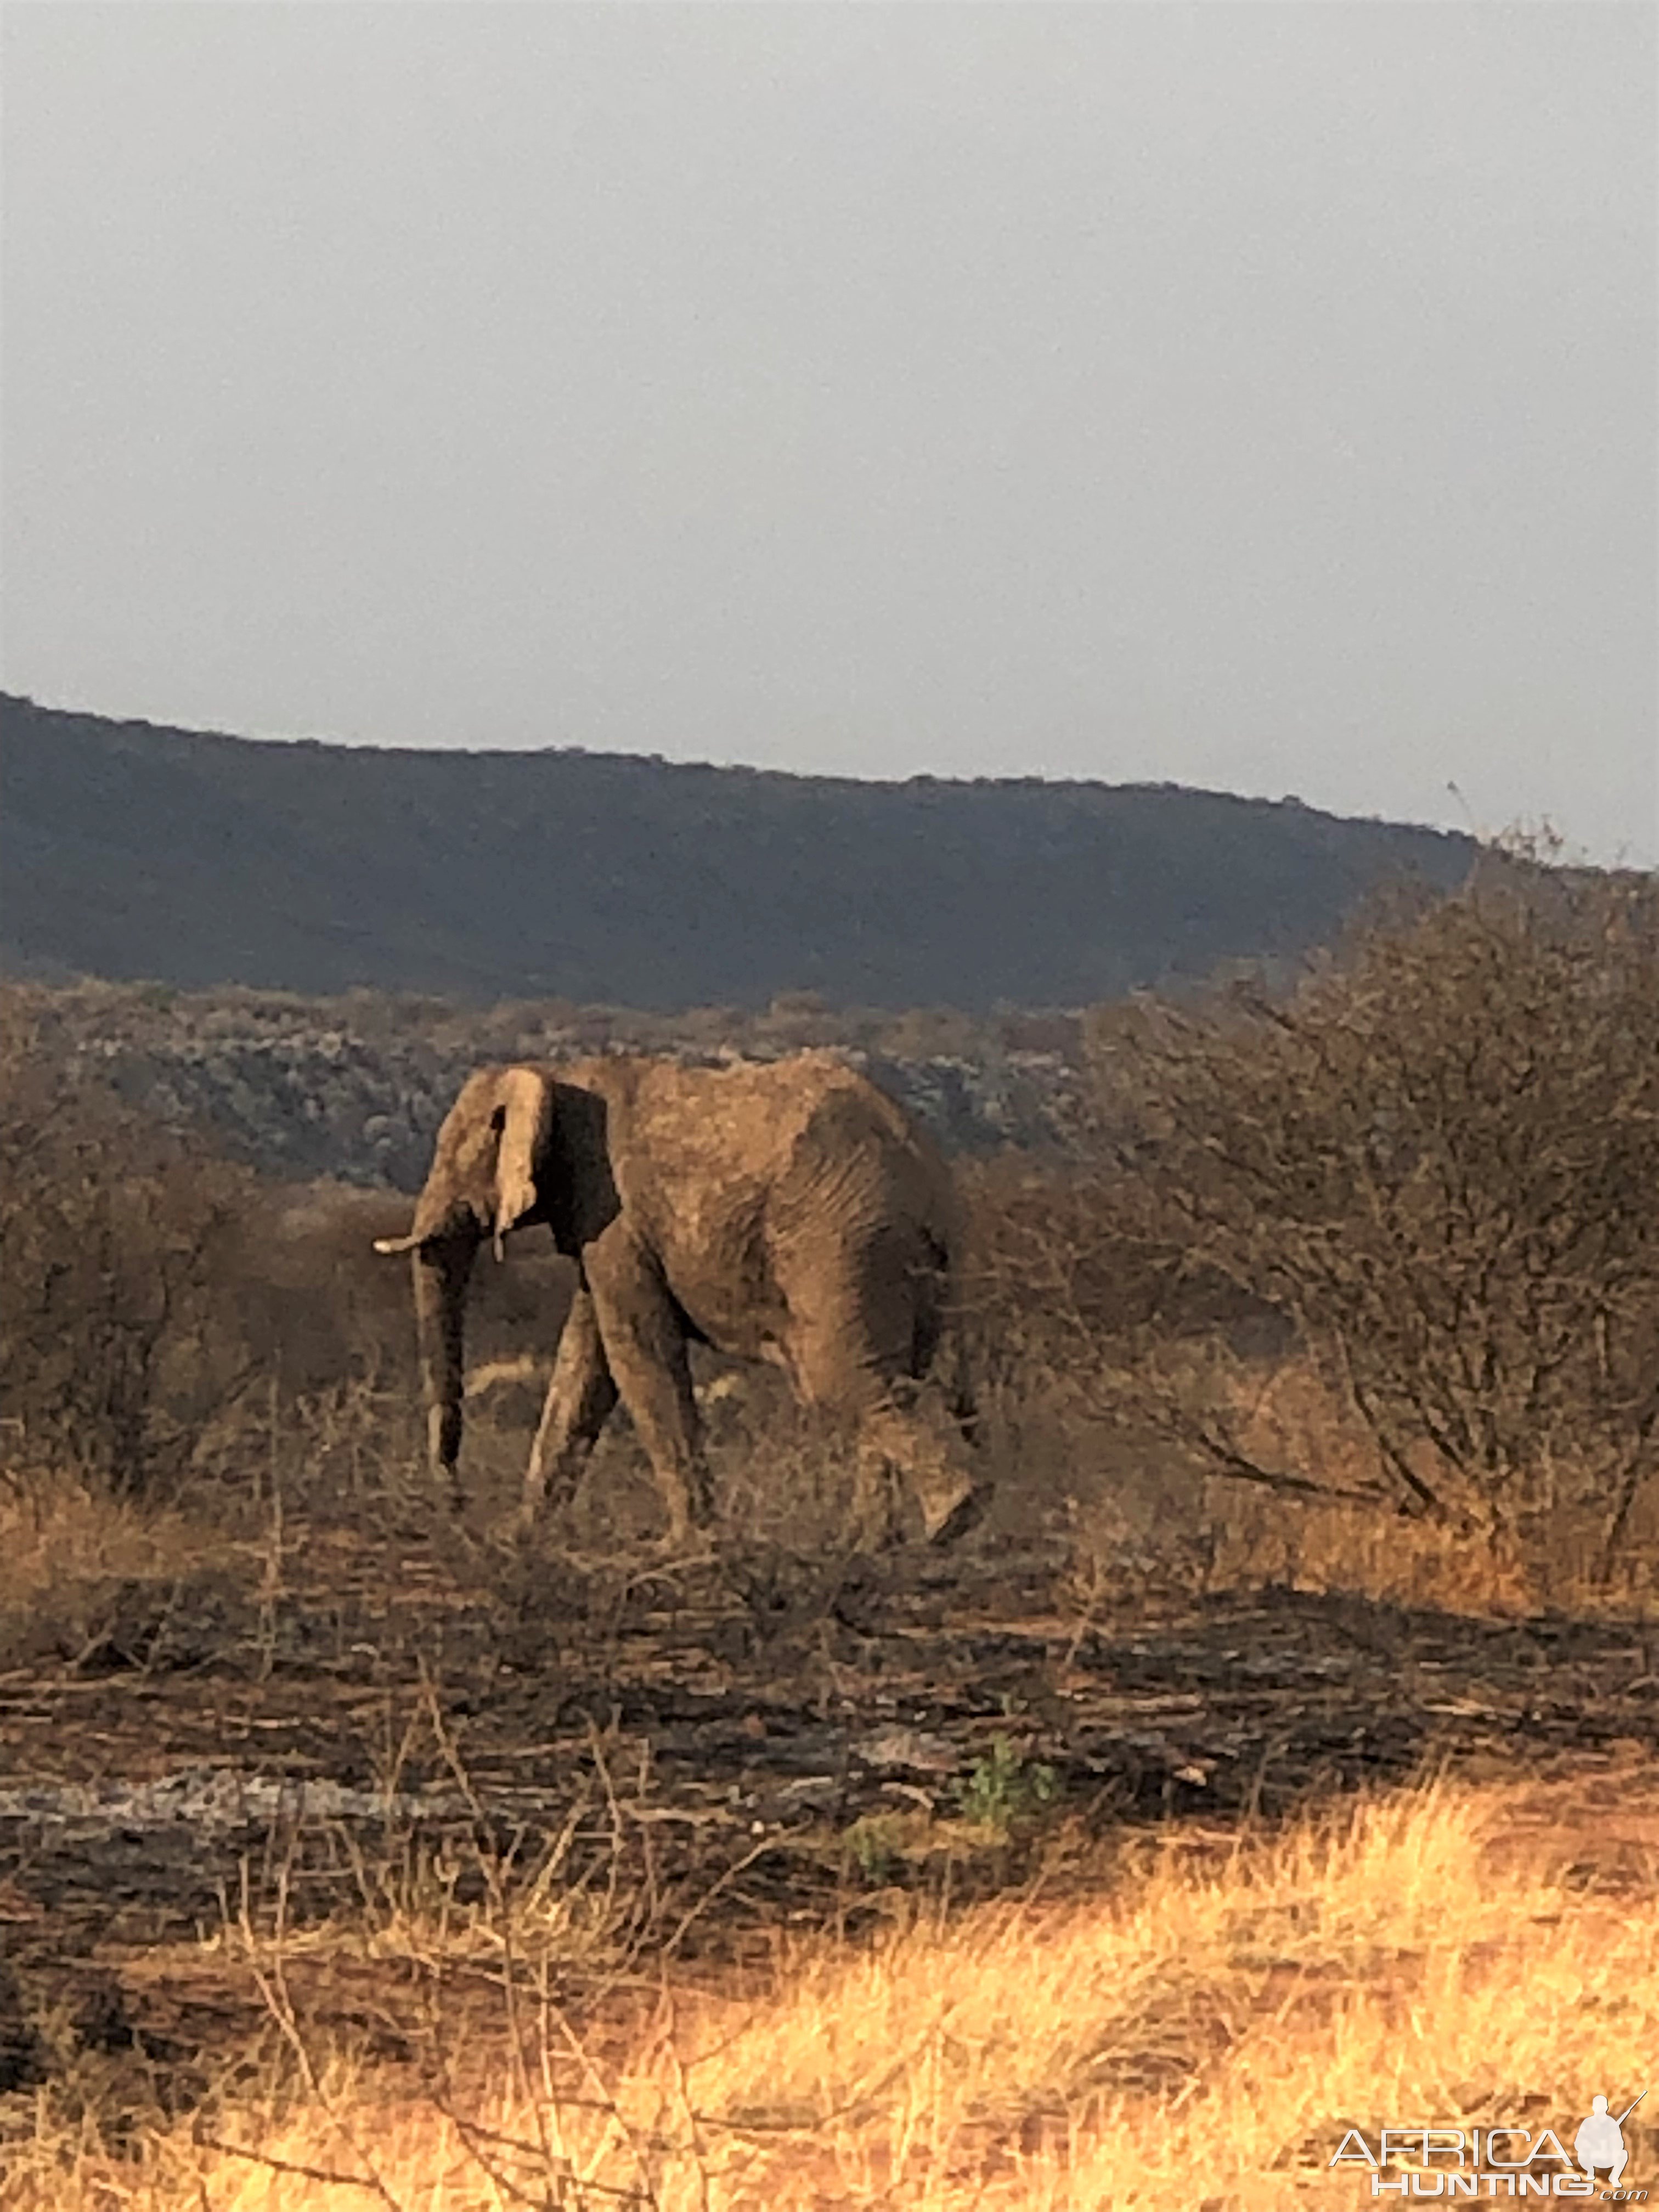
[580, 1399]
[844, 1368]
[949, 1496]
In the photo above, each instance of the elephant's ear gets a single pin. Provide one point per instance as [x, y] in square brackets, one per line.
[524, 1115]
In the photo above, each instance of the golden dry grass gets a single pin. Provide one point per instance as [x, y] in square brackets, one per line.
[1283, 1416]
[1200, 2028]
[55, 1527]
[1268, 1542]
[65, 1545]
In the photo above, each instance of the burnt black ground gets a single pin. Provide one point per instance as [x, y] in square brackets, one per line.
[751, 1710]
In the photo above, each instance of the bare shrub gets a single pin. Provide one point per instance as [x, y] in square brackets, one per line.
[322, 1306]
[1432, 1168]
[1067, 1299]
[122, 1348]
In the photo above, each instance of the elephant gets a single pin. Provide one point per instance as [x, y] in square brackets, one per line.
[787, 1211]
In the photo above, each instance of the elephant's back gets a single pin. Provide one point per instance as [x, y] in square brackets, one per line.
[859, 1164]
[746, 1117]
[728, 1159]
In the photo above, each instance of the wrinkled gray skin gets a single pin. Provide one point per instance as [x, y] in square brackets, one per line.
[789, 1212]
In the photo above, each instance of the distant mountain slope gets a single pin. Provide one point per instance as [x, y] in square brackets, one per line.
[134, 851]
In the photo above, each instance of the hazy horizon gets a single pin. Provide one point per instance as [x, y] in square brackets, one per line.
[1259, 397]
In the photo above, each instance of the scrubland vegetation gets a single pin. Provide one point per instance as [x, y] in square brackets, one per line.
[1278, 1761]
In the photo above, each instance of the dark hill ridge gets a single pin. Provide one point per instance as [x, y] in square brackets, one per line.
[131, 850]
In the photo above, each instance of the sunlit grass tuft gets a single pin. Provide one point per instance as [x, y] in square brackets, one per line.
[1202, 2026]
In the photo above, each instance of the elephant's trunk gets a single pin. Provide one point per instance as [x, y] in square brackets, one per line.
[442, 1269]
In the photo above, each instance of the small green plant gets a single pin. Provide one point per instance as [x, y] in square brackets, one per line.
[869, 1844]
[1005, 1788]
[885, 1846]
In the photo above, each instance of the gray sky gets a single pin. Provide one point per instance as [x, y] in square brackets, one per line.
[1254, 396]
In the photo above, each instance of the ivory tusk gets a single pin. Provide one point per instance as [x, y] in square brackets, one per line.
[398, 1243]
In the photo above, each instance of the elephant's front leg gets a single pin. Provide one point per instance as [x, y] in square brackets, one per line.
[580, 1398]
[645, 1348]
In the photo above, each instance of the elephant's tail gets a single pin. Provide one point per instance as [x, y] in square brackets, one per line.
[951, 1362]
[956, 1369]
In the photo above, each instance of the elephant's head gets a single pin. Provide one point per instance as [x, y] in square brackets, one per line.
[515, 1148]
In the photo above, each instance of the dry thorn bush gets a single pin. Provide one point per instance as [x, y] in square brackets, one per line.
[1390, 1240]
[123, 1353]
